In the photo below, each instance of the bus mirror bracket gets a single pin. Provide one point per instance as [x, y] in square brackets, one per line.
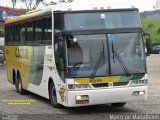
[148, 44]
[60, 39]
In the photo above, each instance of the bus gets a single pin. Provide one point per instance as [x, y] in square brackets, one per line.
[78, 57]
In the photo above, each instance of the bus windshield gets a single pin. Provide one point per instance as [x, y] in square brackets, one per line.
[105, 54]
[102, 20]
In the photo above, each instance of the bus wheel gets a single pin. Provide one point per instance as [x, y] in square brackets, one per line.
[53, 96]
[118, 104]
[16, 84]
[21, 90]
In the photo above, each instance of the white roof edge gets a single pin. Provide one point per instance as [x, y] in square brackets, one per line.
[77, 6]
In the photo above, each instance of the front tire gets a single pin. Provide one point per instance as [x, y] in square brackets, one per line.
[118, 104]
[53, 96]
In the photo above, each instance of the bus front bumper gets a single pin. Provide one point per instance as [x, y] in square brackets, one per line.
[106, 96]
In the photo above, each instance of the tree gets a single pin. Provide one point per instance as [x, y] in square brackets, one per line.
[66, 1]
[158, 31]
[69, 1]
[28, 3]
[55, 3]
[14, 2]
[150, 25]
[37, 3]
[31, 4]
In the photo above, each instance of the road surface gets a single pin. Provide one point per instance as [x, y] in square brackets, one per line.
[42, 109]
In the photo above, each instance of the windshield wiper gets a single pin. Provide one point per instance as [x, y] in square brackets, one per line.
[97, 63]
[119, 59]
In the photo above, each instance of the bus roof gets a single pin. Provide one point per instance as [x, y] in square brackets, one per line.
[65, 8]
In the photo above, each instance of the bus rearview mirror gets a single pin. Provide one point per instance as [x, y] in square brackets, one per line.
[148, 44]
[60, 38]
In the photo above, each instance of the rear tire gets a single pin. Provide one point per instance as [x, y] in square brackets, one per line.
[16, 83]
[53, 96]
[21, 90]
[118, 104]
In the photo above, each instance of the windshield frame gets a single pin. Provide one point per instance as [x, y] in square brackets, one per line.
[109, 52]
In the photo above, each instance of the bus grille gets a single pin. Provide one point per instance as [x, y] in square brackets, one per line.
[115, 84]
[120, 83]
[100, 85]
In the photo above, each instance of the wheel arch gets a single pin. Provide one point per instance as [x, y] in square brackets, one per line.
[50, 80]
[57, 103]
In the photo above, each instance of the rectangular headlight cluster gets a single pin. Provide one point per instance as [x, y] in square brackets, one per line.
[140, 93]
[79, 86]
[138, 82]
[82, 99]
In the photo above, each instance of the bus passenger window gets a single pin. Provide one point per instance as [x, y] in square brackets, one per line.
[47, 31]
[38, 32]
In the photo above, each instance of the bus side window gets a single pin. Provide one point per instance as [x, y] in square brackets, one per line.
[47, 31]
[38, 32]
[58, 23]
[7, 34]
[25, 34]
[15, 34]
[29, 34]
[18, 34]
[22, 34]
[11, 34]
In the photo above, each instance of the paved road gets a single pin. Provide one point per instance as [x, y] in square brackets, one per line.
[43, 106]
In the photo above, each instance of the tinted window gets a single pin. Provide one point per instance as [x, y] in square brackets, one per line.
[102, 20]
[37, 32]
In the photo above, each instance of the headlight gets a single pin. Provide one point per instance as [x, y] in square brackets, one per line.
[138, 82]
[82, 99]
[78, 86]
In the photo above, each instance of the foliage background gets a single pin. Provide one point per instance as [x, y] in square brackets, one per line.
[151, 24]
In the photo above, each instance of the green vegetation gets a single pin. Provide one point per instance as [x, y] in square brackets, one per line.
[1, 32]
[152, 27]
[20, 9]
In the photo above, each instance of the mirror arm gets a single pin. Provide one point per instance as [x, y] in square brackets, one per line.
[148, 43]
[146, 34]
